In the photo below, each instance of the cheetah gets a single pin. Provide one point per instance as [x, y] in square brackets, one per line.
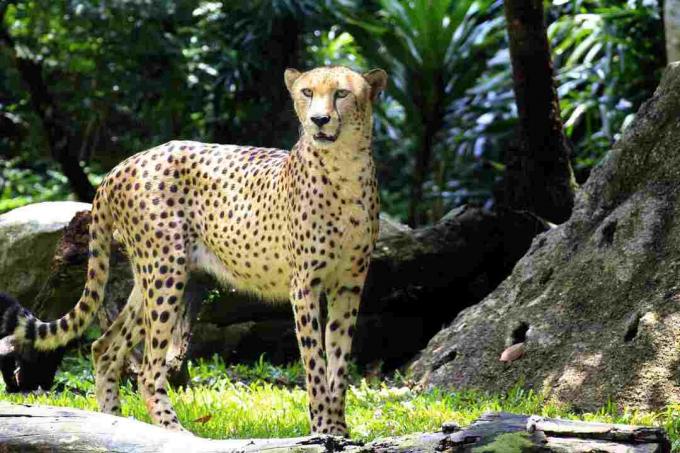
[286, 226]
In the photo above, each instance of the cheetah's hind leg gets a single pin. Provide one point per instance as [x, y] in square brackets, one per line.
[163, 295]
[110, 351]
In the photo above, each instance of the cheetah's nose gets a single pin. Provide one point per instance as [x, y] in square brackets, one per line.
[320, 120]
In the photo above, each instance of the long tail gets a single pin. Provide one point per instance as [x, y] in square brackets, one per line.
[50, 335]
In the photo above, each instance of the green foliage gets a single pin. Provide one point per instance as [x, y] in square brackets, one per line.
[237, 401]
[204, 372]
[610, 55]
[129, 75]
[21, 186]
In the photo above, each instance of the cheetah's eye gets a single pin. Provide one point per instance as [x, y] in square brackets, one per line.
[341, 93]
[307, 92]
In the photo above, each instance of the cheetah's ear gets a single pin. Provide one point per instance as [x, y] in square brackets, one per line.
[290, 76]
[377, 79]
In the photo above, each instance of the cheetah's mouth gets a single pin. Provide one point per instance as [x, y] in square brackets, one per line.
[320, 136]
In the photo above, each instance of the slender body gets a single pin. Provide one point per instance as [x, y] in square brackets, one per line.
[283, 225]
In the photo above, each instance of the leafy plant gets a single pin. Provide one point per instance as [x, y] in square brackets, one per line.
[20, 185]
[608, 57]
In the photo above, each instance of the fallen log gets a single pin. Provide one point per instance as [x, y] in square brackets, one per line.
[29, 428]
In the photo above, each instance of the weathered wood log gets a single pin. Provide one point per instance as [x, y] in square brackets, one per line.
[43, 428]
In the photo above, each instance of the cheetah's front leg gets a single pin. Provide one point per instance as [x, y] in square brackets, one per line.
[343, 306]
[305, 301]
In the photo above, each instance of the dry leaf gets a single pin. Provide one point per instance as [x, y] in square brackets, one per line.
[203, 419]
[512, 353]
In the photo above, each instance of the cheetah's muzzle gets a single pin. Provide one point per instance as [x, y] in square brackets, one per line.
[322, 137]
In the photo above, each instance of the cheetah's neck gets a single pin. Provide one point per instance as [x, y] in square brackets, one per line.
[349, 169]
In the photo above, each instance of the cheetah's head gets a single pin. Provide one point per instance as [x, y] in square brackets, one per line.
[334, 104]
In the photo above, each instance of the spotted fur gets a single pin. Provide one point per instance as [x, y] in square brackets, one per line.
[283, 225]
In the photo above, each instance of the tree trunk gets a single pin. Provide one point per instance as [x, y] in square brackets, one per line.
[538, 174]
[672, 26]
[417, 215]
[44, 428]
[63, 146]
[431, 114]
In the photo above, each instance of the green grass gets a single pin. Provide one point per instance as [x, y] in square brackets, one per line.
[263, 400]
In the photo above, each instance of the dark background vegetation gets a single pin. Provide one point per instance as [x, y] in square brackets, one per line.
[93, 81]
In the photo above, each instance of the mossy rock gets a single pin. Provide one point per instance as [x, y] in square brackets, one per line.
[596, 300]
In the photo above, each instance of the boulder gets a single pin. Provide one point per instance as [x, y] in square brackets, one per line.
[28, 239]
[596, 300]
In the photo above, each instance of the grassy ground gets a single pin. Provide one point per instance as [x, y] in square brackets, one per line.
[266, 401]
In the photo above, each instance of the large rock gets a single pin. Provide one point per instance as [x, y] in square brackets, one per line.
[595, 301]
[28, 239]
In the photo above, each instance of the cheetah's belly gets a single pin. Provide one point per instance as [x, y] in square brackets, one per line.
[274, 285]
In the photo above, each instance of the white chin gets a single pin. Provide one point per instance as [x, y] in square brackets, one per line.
[323, 143]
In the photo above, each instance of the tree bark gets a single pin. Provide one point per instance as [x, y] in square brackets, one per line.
[43, 428]
[538, 173]
[672, 27]
[62, 143]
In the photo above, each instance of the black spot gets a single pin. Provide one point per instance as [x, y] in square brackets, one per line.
[11, 318]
